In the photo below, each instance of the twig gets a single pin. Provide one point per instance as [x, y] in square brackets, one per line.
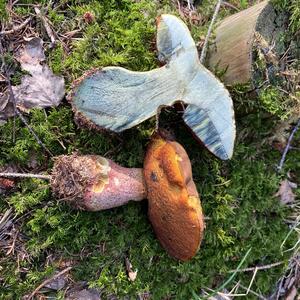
[221, 287]
[204, 49]
[33, 133]
[12, 247]
[5, 218]
[234, 291]
[252, 292]
[48, 281]
[224, 3]
[258, 268]
[16, 28]
[12, 96]
[25, 175]
[287, 147]
[45, 22]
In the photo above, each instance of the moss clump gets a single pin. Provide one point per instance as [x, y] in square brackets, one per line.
[237, 196]
[119, 34]
[292, 6]
[3, 14]
[276, 61]
[273, 102]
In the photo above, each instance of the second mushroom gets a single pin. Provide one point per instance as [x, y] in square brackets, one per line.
[95, 183]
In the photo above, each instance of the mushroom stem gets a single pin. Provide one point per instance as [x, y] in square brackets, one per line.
[95, 183]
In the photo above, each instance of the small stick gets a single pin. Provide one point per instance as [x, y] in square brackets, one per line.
[25, 175]
[204, 49]
[16, 28]
[33, 133]
[224, 3]
[12, 96]
[287, 147]
[45, 22]
[5, 218]
[258, 268]
[48, 281]
[221, 287]
[253, 292]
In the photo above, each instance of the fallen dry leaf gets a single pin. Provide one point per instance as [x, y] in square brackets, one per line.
[39, 89]
[6, 184]
[85, 294]
[58, 283]
[131, 274]
[292, 294]
[6, 107]
[31, 54]
[285, 191]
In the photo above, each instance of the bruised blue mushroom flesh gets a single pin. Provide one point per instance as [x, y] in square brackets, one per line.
[117, 99]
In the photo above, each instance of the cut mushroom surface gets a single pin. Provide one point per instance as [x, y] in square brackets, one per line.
[117, 99]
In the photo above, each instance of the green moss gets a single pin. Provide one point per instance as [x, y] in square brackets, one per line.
[237, 196]
[119, 34]
[3, 12]
[273, 102]
[293, 7]
[31, 193]
[295, 15]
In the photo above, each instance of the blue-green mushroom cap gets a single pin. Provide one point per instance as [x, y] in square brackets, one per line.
[117, 99]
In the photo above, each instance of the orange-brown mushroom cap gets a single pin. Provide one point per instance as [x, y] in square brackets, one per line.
[174, 205]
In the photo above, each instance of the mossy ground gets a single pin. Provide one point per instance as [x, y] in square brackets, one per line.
[237, 196]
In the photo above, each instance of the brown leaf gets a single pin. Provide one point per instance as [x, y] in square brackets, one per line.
[131, 274]
[6, 107]
[6, 184]
[58, 283]
[31, 54]
[39, 89]
[285, 191]
[86, 294]
[292, 294]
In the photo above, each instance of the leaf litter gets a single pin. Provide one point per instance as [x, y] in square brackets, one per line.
[131, 274]
[40, 88]
[285, 192]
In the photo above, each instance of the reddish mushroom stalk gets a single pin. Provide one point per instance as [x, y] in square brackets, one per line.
[95, 183]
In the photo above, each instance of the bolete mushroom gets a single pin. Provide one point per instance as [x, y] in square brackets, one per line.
[95, 183]
[116, 99]
[174, 205]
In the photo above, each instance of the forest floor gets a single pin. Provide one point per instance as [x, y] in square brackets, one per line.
[246, 219]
